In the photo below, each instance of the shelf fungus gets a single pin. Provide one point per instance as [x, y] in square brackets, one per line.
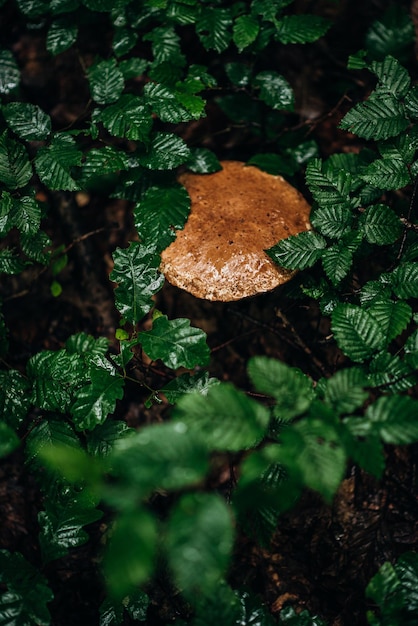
[235, 215]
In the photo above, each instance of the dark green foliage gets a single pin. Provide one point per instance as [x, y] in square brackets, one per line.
[61, 406]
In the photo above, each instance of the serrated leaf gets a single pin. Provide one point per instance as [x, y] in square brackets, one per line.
[106, 81]
[138, 278]
[172, 105]
[23, 213]
[356, 331]
[165, 45]
[61, 35]
[393, 316]
[301, 28]
[15, 167]
[387, 173]
[9, 72]
[380, 224]
[66, 512]
[165, 152]
[289, 617]
[379, 117]
[10, 262]
[161, 456]
[395, 419]
[214, 28]
[225, 418]
[103, 161]
[161, 212]
[298, 251]
[175, 342]
[186, 383]
[238, 73]
[312, 450]
[411, 349]
[245, 31]
[391, 372]
[275, 90]
[332, 221]
[203, 161]
[392, 76]
[96, 400]
[25, 601]
[27, 120]
[366, 449]
[392, 33]
[129, 117]
[404, 280]
[14, 397]
[124, 40]
[291, 389]
[133, 67]
[54, 375]
[344, 391]
[36, 246]
[330, 188]
[87, 345]
[53, 163]
[373, 291]
[103, 438]
[337, 261]
[199, 542]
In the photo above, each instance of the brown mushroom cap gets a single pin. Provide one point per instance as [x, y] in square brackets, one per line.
[235, 215]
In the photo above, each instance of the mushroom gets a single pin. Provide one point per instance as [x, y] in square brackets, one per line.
[236, 213]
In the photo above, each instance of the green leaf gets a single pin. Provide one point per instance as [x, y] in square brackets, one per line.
[172, 105]
[165, 152]
[96, 400]
[404, 280]
[337, 261]
[386, 591]
[289, 386]
[101, 162]
[129, 117]
[393, 317]
[36, 246]
[395, 419]
[312, 450]
[136, 605]
[185, 383]
[344, 391]
[213, 28]
[245, 31]
[9, 440]
[357, 332]
[298, 251]
[411, 350]
[130, 555]
[388, 173]
[161, 212]
[23, 213]
[106, 81]
[203, 161]
[136, 272]
[222, 607]
[87, 346]
[14, 397]
[10, 263]
[392, 34]
[301, 28]
[27, 120]
[161, 456]
[392, 76]
[133, 67]
[53, 163]
[15, 167]
[330, 187]
[61, 35]
[238, 73]
[199, 542]
[225, 418]
[165, 45]
[54, 375]
[391, 372]
[332, 221]
[103, 438]
[124, 40]
[289, 617]
[379, 117]
[176, 343]
[380, 224]
[67, 511]
[275, 90]
[9, 72]
[25, 601]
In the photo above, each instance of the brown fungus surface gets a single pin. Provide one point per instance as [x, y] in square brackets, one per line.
[235, 215]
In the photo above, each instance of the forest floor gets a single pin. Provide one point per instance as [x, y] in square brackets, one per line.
[321, 556]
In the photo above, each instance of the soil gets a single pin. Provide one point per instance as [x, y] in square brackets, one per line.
[321, 556]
